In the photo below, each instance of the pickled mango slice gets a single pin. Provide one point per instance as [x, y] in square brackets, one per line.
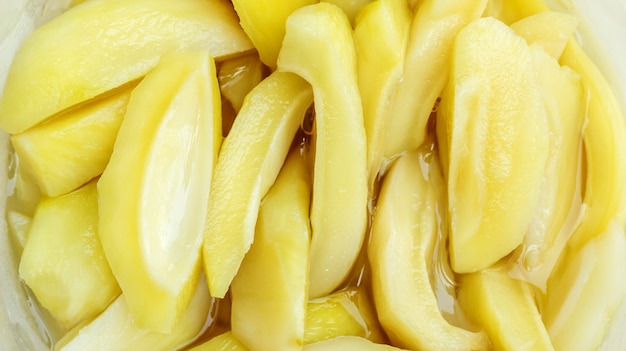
[281, 246]
[249, 162]
[433, 30]
[380, 37]
[102, 44]
[490, 111]
[339, 204]
[63, 262]
[154, 192]
[605, 150]
[238, 76]
[551, 30]
[583, 298]
[400, 251]
[68, 151]
[264, 23]
[347, 343]
[505, 307]
[223, 342]
[115, 328]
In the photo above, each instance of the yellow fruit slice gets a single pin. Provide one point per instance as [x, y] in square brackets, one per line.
[404, 231]
[505, 307]
[563, 97]
[433, 30]
[583, 298]
[63, 262]
[248, 165]
[102, 44]
[605, 150]
[154, 192]
[68, 151]
[380, 38]
[511, 11]
[488, 116]
[339, 204]
[348, 343]
[115, 328]
[238, 76]
[350, 7]
[264, 23]
[273, 277]
[222, 342]
[549, 29]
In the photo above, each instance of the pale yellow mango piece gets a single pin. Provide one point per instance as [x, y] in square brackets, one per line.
[238, 76]
[339, 204]
[563, 97]
[223, 342]
[270, 291]
[63, 262]
[426, 68]
[115, 328]
[490, 112]
[404, 231]
[348, 343]
[68, 151]
[154, 192]
[264, 23]
[350, 7]
[604, 141]
[551, 30]
[380, 37]
[248, 164]
[505, 307]
[583, 298]
[102, 44]
[511, 11]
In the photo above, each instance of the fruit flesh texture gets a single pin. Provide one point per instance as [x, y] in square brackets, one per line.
[487, 116]
[154, 191]
[339, 203]
[281, 245]
[402, 242]
[102, 44]
[348, 343]
[551, 30]
[63, 262]
[248, 165]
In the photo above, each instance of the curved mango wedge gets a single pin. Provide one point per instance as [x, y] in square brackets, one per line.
[66, 152]
[348, 343]
[223, 342]
[115, 328]
[400, 251]
[433, 30]
[102, 44]
[505, 307]
[339, 204]
[584, 297]
[551, 30]
[154, 192]
[270, 291]
[248, 164]
[380, 37]
[63, 262]
[494, 133]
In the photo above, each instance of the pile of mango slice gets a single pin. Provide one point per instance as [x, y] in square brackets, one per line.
[335, 175]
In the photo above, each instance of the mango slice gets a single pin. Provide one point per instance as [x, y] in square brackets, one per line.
[248, 164]
[115, 328]
[505, 307]
[350, 7]
[404, 231]
[238, 76]
[281, 246]
[154, 192]
[380, 37]
[223, 342]
[433, 30]
[551, 30]
[605, 150]
[68, 151]
[489, 112]
[63, 262]
[348, 343]
[339, 204]
[583, 298]
[264, 23]
[102, 44]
